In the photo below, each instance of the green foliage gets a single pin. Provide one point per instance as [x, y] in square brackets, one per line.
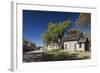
[46, 38]
[55, 32]
[28, 46]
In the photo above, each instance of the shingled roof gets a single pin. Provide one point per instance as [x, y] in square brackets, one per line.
[78, 36]
[82, 40]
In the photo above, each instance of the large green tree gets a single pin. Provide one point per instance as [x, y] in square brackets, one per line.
[55, 33]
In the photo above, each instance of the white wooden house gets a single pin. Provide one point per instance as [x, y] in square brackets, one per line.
[76, 42]
[52, 46]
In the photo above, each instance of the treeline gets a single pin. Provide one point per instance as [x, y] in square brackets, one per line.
[29, 46]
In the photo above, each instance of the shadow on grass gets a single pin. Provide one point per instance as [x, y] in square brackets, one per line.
[55, 56]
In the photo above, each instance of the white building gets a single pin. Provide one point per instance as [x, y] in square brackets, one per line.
[76, 42]
[53, 46]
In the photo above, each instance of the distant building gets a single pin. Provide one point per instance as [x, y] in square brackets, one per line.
[53, 46]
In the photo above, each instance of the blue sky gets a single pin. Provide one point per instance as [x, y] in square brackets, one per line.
[35, 23]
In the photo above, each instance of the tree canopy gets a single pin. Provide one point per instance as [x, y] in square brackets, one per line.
[55, 33]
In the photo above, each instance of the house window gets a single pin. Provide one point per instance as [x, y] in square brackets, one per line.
[80, 45]
[65, 45]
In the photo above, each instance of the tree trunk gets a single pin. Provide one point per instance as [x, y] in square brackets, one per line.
[61, 43]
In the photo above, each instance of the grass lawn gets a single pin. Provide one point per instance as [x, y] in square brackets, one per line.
[56, 55]
[64, 55]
